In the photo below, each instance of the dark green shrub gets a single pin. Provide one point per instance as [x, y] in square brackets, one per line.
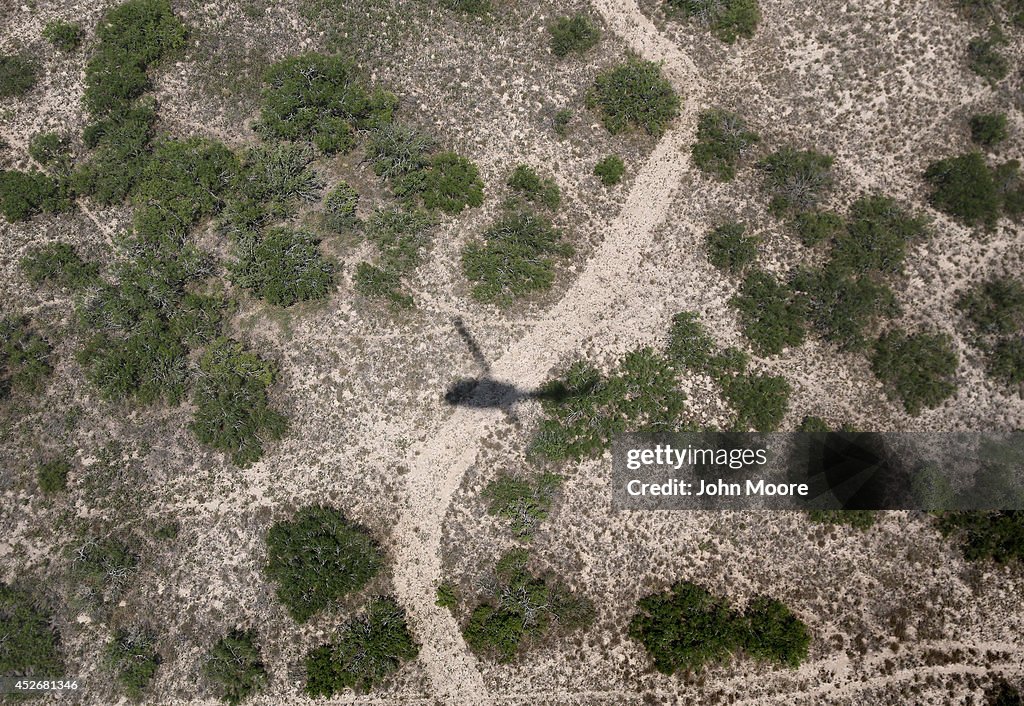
[317, 558]
[469, 7]
[234, 665]
[24, 357]
[526, 181]
[795, 179]
[101, 568]
[995, 306]
[964, 187]
[996, 536]
[523, 608]
[52, 476]
[199, 318]
[148, 364]
[375, 282]
[985, 58]
[919, 369]
[24, 194]
[689, 342]
[583, 409]
[815, 227]
[121, 144]
[322, 99]
[132, 657]
[399, 155]
[30, 645]
[368, 649]
[576, 33]
[636, 94]
[843, 306]
[771, 316]
[729, 249]
[561, 122]
[686, 628]
[813, 425]
[1006, 362]
[52, 150]
[774, 634]
[989, 129]
[18, 74]
[66, 36]
[340, 208]
[283, 266]
[233, 413]
[722, 139]
[760, 401]
[400, 237]
[1003, 693]
[133, 37]
[610, 170]
[451, 183]
[515, 257]
[1011, 188]
[728, 20]
[447, 596]
[524, 502]
[877, 236]
[858, 519]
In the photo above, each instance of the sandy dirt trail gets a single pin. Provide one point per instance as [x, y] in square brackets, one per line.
[437, 466]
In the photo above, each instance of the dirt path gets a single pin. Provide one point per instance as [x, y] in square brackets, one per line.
[437, 467]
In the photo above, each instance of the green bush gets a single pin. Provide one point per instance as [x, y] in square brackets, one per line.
[1003, 693]
[132, 657]
[283, 266]
[121, 149]
[526, 181]
[340, 208]
[728, 20]
[774, 634]
[687, 627]
[584, 409]
[795, 179]
[18, 74]
[1011, 188]
[133, 37]
[877, 236]
[233, 413]
[722, 139]
[24, 357]
[689, 342]
[400, 237]
[515, 257]
[317, 558]
[1006, 361]
[24, 194]
[634, 93]
[760, 401]
[996, 536]
[561, 121]
[451, 183]
[610, 170]
[52, 150]
[52, 476]
[813, 425]
[995, 306]
[368, 649]
[30, 647]
[66, 36]
[985, 58]
[234, 665]
[729, 249]
[322, 99]
[844, 306]
[771, 315]
[149, 364]
[815, 227]
[447, 596]
[524, 502]
[101, 568]
[399, 155]
[988, 129]
[964, 187]
[919, 369]
[469, 7]
[575, 33]
[523, 608]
